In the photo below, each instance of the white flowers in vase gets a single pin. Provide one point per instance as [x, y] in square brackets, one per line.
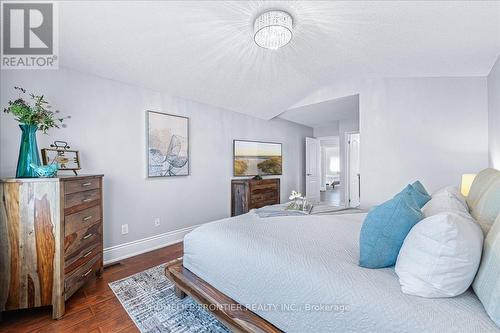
[295, 195]
[297, 201]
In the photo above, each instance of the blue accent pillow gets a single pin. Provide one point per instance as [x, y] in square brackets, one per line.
[417, 185]
[418, 193]
[385, 229]
[419, 197]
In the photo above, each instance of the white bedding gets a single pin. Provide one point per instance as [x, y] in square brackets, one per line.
[281, 266]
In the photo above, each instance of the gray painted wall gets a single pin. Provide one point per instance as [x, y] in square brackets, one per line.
[108, 127]
[330, 129]
[432, 129]
[494, 115]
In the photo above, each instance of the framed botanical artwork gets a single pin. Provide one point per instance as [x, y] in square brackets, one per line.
[168, 144]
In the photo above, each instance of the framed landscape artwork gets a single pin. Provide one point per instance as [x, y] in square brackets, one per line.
[252, 158]
[168, 145]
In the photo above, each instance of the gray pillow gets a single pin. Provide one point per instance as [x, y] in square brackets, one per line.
[484, 198]
[487, 281]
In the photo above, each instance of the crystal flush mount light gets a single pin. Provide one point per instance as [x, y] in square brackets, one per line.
[273, 29]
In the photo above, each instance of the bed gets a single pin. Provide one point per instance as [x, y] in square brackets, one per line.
[301, 274]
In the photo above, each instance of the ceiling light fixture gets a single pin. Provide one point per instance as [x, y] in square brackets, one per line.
[273, 29]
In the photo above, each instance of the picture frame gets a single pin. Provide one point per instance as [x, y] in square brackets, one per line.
[167, 140]
[65, 158]
[249, 166]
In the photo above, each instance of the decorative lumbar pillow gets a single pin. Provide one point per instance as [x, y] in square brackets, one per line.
[487, 282]
[484, 198]
[418, 193]
[440, 256]
[384, 230]
[448, 199]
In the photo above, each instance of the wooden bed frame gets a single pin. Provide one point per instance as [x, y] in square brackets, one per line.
[232, 314]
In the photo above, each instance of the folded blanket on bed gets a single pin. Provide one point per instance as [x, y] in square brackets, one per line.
[320, 209]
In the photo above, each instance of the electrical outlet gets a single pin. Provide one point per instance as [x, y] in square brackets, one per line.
[124, 229]
[156, 221]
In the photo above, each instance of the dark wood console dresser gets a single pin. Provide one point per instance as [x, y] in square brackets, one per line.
[50, 239]
[247, 194]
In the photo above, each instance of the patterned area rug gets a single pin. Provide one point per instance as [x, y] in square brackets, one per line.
[149, 299]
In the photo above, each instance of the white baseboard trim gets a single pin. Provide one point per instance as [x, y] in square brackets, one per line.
[126, 250]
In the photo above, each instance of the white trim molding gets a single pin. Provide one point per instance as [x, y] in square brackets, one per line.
[126, 250]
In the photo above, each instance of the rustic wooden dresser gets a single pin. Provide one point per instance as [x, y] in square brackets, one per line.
[247, 194]
[50, 239]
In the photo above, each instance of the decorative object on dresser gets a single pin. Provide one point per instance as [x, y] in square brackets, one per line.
[32, 117]
[168, 145]
[299, 203]
[45, 171]
[61, 155]
[50, 239]
[247, 194]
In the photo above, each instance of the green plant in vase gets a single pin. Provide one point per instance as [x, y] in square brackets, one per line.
[33, 115]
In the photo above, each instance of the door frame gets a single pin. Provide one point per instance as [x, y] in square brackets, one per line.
[347, 162]
[318, 169]
[321, 169]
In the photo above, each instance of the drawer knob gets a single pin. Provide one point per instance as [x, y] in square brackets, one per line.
[87, 254]
[86, 236]
[88, 272]
[86, 218]
[87, 200]
[86, 184]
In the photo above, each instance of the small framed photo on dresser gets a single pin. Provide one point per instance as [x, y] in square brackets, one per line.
[66, 159]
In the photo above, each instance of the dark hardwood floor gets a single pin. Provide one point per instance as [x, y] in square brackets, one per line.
[94, 308]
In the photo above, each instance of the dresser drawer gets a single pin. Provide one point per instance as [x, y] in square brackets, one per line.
[81, 257]
[79, 185]
[263, 193]
[264, 197]
[81, 239]
[263, 201]
[81, 220]
[81, 200]
[258, 188]
[82, 274]
[256, 198]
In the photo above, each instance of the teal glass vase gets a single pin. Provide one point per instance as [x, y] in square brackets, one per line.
[28, 152]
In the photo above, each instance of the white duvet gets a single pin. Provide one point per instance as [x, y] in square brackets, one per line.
[301, 274]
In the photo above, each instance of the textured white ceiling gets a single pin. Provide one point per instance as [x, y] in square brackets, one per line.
[319, 114]
[204, 50]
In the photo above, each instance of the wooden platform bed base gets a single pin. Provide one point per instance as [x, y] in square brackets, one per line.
[229, 312]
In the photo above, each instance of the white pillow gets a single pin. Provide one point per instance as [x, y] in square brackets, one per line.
[448, 199]
[440, 256]
[452, 191]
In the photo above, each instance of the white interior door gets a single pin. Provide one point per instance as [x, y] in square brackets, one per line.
[313, 177]
[354, 185]
[322, 167]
